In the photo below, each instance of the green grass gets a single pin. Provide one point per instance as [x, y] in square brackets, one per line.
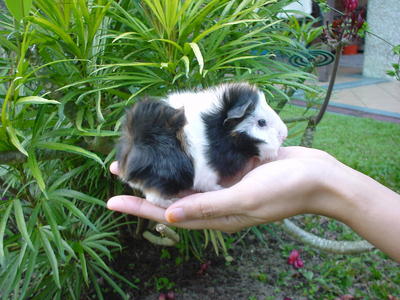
[367, 145]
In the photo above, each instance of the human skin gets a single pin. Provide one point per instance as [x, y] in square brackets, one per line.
[300, 181]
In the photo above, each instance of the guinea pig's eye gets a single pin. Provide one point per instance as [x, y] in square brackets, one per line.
[262, 123]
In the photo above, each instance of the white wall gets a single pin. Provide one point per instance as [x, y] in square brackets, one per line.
[301, 5]
[384, 20]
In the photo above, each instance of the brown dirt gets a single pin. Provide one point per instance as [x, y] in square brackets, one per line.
[252, 275]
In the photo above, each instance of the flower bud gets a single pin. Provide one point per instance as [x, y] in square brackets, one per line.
[350, 5]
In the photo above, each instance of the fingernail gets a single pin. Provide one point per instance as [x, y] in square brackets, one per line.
[175, 215]
[112, 203]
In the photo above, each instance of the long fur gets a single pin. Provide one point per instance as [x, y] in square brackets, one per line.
[192, 140]
[152, 155]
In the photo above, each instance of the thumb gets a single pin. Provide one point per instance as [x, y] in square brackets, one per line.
[205, 206]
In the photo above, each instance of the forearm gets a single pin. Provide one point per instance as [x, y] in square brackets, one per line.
[369, 208]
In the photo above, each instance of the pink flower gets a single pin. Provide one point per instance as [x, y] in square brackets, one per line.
[203, 268]
[298, 263]
[350, 5]
[295, 260]
[171, 295]
[294, 255]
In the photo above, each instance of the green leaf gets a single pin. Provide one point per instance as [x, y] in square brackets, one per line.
[100, 117]
[35, 100]
[66, 176]
[14, 140]
[199, 56]
[75, 211]
[19, 8]
[29, 272]
[3, 224]
[396, 49]
[69, 43]
[185, 60]
[111, 282]
[19, 217]
[34, 167]
[51, 256]
[70, 149]
[99, 236]
[96, 257]
[123, 36]
[53, 225]
[78, 195]
[83, 264]
[177, 46]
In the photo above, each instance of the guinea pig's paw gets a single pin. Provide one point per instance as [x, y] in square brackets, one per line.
[159, 200]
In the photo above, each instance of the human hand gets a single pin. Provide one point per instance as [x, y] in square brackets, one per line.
[270, 192]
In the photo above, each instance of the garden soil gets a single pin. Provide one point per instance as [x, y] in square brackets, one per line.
[253, 274]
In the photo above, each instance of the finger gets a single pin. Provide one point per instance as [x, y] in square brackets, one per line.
[137, 206]
[296, 152]
[114, 168]
[229, 224]
[205, 206]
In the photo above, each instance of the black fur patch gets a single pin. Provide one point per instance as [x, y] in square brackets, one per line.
[229, 151]
[154, 156]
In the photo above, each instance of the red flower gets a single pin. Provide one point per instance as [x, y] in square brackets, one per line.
[298, 263]
[294, 255]
[350, 5]
[171, 295]
[203, 268]
[295, 260]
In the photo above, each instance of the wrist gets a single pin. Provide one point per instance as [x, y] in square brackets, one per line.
[334, 189]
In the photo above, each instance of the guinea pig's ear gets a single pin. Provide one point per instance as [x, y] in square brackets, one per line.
[178, 118]
[236, 113]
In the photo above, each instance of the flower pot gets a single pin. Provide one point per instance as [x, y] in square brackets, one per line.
[350, 49]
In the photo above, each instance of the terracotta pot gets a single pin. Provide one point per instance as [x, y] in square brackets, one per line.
[350, 49]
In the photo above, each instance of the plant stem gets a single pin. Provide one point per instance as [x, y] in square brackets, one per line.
[379, 37]
[324, 106]
[297, 119]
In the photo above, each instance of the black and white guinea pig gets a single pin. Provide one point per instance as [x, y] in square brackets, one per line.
[193, 139]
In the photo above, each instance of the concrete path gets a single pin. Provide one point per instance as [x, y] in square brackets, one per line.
[361, 96]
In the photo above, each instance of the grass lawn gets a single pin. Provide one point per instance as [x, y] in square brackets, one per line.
[369, 146]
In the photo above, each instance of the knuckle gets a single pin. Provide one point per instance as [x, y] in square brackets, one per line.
[206, 210]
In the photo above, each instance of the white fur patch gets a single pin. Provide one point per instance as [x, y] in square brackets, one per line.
[196, 103]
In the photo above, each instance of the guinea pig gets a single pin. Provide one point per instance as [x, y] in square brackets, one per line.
[191, 140]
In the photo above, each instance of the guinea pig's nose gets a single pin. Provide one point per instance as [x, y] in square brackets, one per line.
[282, 136]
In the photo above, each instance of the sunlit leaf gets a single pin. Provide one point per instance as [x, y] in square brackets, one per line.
[78, 195]
[15, 141]
[69, 148]
[19, 8]
[35, 100]
[185, 60]
[199, 56]
[34, 167]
